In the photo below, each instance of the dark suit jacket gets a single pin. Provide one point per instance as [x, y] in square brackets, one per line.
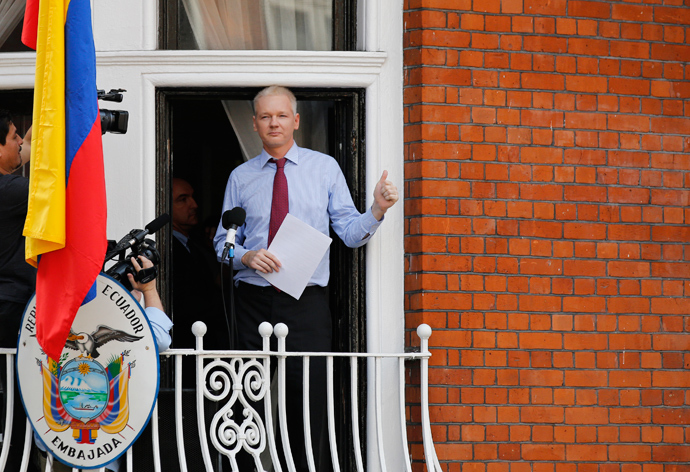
[196, 296]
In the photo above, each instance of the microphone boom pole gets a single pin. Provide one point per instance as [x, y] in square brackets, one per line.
[232, 219]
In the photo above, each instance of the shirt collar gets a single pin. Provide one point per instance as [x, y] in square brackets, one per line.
[182, 238]
[292, 155]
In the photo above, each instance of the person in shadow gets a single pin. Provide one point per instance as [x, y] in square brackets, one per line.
[196, 290]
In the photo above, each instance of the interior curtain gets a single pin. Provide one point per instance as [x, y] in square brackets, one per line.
[227, 24]
[273, 25]
[261, 24]
[11, 13]
[312, 132]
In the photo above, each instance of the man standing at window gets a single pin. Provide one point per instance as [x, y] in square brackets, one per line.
[17, 277]
[196, 277]
[310, 186]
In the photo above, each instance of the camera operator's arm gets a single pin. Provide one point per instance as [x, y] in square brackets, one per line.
[160, 323]
[26, 147]
[151, 297]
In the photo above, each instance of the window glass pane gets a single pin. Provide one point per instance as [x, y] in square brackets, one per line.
[254, 24]
[11, 19]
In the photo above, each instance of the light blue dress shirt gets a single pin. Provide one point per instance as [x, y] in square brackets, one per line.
[161, 326]
[318, 195]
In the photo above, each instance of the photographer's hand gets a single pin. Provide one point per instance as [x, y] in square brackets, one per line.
[151, 297]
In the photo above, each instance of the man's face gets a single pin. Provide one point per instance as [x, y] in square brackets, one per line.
[10, 157]
[275, 122]
[184, 213]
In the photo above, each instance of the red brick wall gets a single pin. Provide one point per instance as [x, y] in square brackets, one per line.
[547, 180]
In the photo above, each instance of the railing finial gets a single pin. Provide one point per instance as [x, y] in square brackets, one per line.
[265, 329]
[281, 330]
[199, 328]
[424, 331]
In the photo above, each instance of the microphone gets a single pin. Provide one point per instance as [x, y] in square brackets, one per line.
[137, 238]
[150, 228]
[232, 219]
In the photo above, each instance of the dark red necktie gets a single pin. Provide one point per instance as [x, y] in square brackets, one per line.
[279, 205]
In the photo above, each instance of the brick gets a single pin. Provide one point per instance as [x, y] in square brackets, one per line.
[629, 269]
[545, 7]
[484, 41]
[629, 123]
[632, 12]
[540, 266]
[671, 15]
[628, 159]
[587, 65]
[679, 454]
[584, 304]
[585, 120]
[669, 52]
[577, 452]
[584, 231]
[539, 304]
[589, 9]
[586, 102]
[541, 155]
[542, 81]
[609, 29]
[584, 268]
[543, 63]
[631, 31]
[588, 47]
[547, 44]
[546, 119]
[584, 341]
[540, 229]
[634, 416]
[670, 125]
[550, 452]
[470, 21]
[585, 193]
[631, 49]
[630, 453]
[445, 76]
[630, 141]
[584, 157]
[544, 25]
[491, 6]
[629, 104]
[443, 38]
[586, 84]
[629, 195]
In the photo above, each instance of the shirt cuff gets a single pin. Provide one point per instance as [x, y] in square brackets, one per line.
[370, 224]
[237, 260]
[160, 325]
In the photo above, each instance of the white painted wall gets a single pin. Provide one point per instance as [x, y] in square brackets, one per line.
[125, 36]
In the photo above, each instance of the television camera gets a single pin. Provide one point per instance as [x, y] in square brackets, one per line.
[139, 245]
[113, 121]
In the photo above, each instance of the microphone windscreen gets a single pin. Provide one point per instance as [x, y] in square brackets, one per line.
[158, 223]
[235, 217]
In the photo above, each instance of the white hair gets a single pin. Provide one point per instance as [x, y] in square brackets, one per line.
[277, 90]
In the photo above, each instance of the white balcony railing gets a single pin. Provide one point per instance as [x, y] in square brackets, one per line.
[226, 378]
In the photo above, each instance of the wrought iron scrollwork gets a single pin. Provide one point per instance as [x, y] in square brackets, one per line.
[237, 424]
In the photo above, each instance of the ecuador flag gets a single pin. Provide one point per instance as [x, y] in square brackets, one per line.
[66, 221]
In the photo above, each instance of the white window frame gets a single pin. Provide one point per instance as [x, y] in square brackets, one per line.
[127, 58]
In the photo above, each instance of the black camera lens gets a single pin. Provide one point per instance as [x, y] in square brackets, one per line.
[114, 121]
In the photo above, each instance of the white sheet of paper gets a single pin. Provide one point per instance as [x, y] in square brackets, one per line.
[299, 248]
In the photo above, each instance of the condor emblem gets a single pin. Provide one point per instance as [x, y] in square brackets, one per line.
[80, 405]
